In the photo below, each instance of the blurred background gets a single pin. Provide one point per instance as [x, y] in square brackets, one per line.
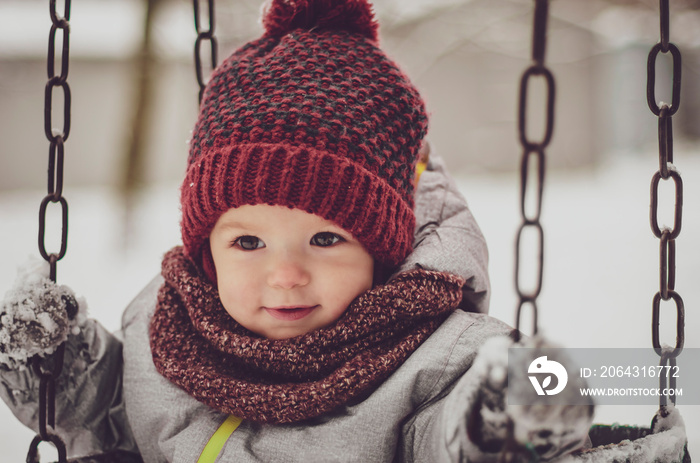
[134, 102]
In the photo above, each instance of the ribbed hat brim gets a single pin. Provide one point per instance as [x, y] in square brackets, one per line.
[315, 181]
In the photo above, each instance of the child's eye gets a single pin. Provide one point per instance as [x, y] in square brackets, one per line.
[325, 239]
[249, 243]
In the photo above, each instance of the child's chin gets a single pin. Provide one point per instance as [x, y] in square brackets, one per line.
[282, 334]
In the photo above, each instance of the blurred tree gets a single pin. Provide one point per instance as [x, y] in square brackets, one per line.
[145, 68]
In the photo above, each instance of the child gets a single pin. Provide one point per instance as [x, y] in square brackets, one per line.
[308, 315]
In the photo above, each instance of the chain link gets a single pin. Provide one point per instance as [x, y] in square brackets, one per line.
[677, 210]
[204, 36]
[655, 322]
[651, 78]
[533, 149]
[49, 369]
[667, 237]
[672, 363]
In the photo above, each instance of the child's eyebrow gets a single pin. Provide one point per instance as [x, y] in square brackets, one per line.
[233, 224]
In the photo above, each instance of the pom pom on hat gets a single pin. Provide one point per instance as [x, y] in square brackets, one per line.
[283, 16]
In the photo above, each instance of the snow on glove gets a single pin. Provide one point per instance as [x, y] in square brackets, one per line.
[538, 431]
[36, 315]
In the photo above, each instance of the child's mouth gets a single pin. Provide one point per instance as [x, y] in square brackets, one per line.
[290, 313]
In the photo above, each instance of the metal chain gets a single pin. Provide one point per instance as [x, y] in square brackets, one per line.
[667, 237]
[204, 35]
[49, 369]
[533, 150]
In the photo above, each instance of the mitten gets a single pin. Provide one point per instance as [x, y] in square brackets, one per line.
[36, 316]
[534, 432]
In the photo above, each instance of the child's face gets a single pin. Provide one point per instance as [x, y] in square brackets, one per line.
[284, 272]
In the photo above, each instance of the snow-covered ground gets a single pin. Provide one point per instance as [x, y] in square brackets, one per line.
[601, 268]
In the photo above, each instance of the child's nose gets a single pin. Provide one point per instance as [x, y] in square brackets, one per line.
[288, 272]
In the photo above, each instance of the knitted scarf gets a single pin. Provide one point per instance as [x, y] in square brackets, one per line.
[198, 346]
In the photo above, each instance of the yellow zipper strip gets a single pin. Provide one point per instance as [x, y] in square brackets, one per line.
[218, 440]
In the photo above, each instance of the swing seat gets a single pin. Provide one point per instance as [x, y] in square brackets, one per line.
[112, 457]
[117, 456]
[634, 444]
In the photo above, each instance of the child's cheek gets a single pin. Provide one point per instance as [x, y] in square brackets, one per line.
[235, 293]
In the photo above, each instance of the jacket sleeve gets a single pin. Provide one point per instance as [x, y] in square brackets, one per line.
[437, 430]
[90, 415]
[447, 237]
[443, 435]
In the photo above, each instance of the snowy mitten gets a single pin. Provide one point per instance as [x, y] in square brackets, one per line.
[488, 424]
[36, 315]
[540, 431]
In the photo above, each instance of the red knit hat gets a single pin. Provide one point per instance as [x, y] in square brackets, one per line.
[314, 116]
